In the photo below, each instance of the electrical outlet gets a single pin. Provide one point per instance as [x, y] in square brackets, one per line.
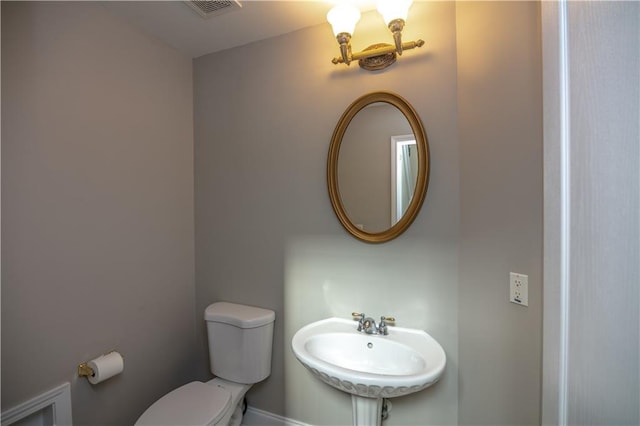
[519, 289]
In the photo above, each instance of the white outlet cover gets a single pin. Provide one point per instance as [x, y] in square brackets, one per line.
[519, 289]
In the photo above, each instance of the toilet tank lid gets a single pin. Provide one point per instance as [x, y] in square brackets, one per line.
[242, 316]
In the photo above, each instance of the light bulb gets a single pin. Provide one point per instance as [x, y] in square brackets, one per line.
[343, 18]
[394, 9]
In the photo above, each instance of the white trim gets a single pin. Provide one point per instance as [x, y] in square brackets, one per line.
[257, 417]
[565, 200]
[59, 399]
[557, 192]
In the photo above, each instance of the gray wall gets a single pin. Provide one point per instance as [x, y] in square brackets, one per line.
[266, 234]
[98, 205]
[500, 122]
[265, 231]
[97, 199]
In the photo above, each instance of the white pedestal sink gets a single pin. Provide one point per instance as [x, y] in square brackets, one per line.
[369, 366]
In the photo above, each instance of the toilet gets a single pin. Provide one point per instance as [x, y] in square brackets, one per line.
[240, 342]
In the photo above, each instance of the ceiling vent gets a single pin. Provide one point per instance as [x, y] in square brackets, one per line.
[209, 8]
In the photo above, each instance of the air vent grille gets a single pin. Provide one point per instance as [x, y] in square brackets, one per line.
[209, 8]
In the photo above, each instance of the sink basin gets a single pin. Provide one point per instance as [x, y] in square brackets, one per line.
[369, 365]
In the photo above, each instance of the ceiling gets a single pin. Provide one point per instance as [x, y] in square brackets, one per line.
[178, 25]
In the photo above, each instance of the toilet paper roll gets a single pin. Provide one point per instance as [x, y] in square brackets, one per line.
[104, 367]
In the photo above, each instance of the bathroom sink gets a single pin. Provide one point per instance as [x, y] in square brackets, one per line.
[369, 365]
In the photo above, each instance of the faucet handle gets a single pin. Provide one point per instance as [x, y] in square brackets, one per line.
[357, 316]
[384, 321]
[387, 320]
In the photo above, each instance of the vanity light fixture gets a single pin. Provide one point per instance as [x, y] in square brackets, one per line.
[343, 19]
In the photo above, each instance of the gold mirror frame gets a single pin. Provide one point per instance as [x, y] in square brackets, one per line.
[422, 182]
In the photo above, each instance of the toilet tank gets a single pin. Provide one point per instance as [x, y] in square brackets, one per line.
[240, 341]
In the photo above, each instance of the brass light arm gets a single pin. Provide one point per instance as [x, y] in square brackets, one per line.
[345, 46]
[396, 27]
[407, 45]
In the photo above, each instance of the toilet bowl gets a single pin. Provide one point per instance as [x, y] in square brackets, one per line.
[240, 343]
[217, 402]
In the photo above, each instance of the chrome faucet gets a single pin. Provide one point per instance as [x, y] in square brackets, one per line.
[368, 324]
[357, 315]
[384, 321]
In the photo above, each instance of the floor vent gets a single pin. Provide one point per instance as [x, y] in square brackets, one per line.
[209, 8]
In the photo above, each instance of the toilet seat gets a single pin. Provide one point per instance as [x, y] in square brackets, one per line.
[195, 403]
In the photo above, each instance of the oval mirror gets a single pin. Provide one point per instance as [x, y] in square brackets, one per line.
[378, 167]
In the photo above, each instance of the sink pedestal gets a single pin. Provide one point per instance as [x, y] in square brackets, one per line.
[366, 411]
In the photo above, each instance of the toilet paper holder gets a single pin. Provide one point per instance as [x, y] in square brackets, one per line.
[85, 371]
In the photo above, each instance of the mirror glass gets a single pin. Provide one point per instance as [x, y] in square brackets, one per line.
[373, 145]
[378, 167]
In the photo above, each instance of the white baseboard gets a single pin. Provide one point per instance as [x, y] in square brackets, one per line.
[256, 417]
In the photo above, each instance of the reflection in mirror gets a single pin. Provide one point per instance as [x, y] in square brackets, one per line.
[366, 168]
[404, 174]
[378, 167]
